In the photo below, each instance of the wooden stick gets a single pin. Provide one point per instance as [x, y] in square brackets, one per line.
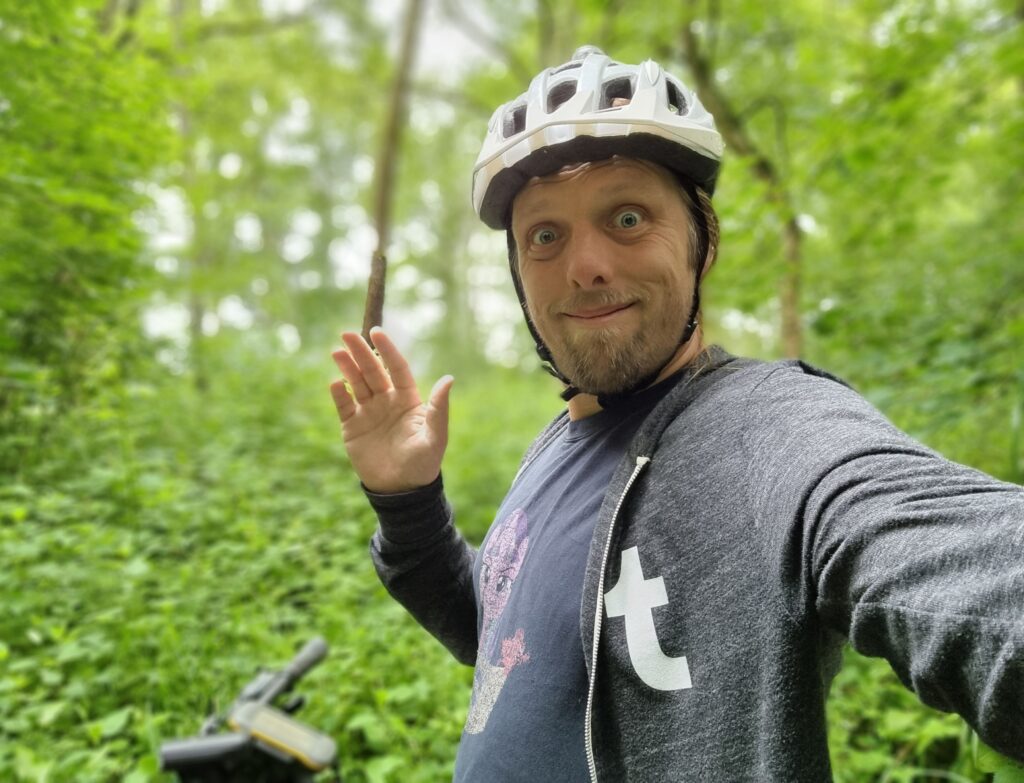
[384, 171]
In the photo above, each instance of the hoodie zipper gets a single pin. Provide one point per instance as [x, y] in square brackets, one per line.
[588, 734]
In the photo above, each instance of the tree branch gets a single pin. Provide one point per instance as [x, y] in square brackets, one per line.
[128, 33]
[726, 118]
[475, 33]
[105, 17]
[778, 110]
[432, 91]
[386, 165]
[258, 25]
[247, 27]
[714, 14]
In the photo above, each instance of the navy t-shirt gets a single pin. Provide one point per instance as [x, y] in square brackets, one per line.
[528, 705]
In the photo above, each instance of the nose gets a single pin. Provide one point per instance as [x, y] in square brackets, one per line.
[591, 259]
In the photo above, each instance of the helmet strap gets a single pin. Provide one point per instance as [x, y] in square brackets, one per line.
[547, 361]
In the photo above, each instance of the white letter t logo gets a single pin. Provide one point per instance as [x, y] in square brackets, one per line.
[635, 597]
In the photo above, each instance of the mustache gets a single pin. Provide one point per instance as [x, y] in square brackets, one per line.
[591, 300]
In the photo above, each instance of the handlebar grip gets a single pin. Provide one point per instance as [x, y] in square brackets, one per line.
[308, 657]
[183, 754]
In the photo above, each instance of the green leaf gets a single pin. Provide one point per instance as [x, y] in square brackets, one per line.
[49, 712]
[379, 769]
[372, 726]
[137, 566]
[989, 760]
[28, 766]
[115, 722]
[1011, 774]
[147, 770]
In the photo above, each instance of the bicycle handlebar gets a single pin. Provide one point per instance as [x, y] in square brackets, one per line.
[265, 744]
[309, 656]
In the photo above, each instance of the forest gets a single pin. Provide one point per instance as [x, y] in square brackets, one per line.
[192, 196]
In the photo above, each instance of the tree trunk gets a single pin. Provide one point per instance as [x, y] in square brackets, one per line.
[789, 291]
[734, 131]
[384, 171]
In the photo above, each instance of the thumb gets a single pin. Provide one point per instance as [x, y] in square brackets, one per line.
[437, 408]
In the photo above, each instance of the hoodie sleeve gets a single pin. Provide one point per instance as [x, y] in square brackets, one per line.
[913, 557]
[426, 565]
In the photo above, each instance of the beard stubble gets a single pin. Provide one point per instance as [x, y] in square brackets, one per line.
[612, 360]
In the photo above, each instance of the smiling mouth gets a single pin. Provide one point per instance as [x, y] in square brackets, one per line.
[598, 314]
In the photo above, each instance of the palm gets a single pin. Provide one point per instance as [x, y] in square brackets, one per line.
[394, 440]
[388, 435]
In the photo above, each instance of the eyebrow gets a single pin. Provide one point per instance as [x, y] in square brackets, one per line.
[610, 190]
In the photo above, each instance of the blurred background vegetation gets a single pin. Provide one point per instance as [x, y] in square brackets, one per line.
[187, 220]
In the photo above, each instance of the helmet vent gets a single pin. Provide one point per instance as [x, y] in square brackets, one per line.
[676, 101]
[515, 121]
[566, 67]
[616, 88]
[593, 108]
[559, 94]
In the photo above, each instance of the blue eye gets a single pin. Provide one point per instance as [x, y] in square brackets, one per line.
[628, 218]
[543, 236]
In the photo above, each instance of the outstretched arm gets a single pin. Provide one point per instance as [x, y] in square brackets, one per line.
[914, 558]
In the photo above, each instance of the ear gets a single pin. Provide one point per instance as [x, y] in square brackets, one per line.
[521, 550]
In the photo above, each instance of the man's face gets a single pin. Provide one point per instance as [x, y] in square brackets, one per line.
[604, 259]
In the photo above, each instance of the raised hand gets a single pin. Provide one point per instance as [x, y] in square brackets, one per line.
[394, 440]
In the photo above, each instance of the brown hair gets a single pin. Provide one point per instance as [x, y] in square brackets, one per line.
[703, 231]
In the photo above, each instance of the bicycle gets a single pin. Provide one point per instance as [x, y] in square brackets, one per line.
[265, 744]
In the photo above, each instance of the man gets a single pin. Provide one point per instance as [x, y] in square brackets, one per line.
[666, 588]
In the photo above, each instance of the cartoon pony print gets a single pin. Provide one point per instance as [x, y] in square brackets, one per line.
[503, 558]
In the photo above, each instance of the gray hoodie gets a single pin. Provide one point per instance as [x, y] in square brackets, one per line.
[764, 514]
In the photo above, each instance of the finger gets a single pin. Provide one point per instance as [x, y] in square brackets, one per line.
[372, 368]
[336, 354]
[343, 400]
[437, 409]
[353, 375]
[401, 375]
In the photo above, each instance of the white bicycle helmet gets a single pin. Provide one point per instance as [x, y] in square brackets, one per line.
[570, 114]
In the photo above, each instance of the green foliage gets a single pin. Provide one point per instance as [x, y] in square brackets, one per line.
[174, 513]
[74, 143]
[1006, 771]
[169, 554]
[878, 730]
